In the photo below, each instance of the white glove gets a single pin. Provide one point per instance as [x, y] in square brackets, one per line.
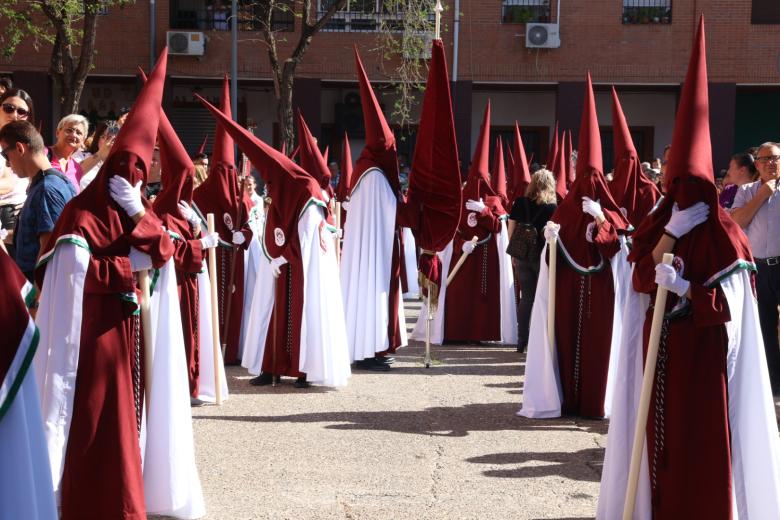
[469, 247]
[339, 233]
[210, 241]
[276, 264]
[682, 221]
[126, 195]
[139, 261]
[592, 208]
[345, 205]
[325, 196]
[551, 231]
[188, 213]
[238, 238]
[475, 205]
[3, 234]
[666, 276]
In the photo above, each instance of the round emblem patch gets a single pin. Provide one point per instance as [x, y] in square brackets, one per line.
[279, 237]
[227, 220]
[471, 220]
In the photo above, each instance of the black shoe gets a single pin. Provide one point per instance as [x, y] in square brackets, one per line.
[371, 364]
[385, 360]
[521, 347]
[301, 383]
[195, 402]
[263, 380]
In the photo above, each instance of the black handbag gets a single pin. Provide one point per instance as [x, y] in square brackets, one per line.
[524, 243]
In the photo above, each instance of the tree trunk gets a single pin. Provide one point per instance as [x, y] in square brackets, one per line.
[285, 106]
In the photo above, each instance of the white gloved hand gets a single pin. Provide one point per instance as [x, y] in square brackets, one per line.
[210, 241]
[592, 208]
[187, 213]
[682, 221]
[475, 205]
[238, 238]
[469, 247]
[551, 231]
[126, 195]
[345, 205]
[139, 261]
[339, 233]
[3, 234]
[666, 276]
[276, 265]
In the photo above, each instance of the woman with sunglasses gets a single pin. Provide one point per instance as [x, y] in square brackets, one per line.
[15, 105]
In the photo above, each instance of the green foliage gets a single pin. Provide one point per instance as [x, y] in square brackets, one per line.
[405, 40]
[21, 20]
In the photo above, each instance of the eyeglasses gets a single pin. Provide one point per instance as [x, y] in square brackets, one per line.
[4, 152]
[8, 108]
[768, 158]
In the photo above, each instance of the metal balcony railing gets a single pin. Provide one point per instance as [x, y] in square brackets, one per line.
[647, 12]
[354, 21]
[218, 19]
[524, 11]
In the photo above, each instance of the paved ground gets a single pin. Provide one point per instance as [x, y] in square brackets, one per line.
[438, 443]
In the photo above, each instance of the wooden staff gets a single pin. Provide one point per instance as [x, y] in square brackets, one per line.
[338, 226]
[214, 312]
[462, 259]
[233, 259]
[146, 324]
[644, 398]
[552, 246]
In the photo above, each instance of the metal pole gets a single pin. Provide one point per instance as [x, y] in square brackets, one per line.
[152, 33]
[455, 34]
[234, 59]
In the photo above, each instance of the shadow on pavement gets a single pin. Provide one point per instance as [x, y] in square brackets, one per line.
[453, 421]
[584, 465]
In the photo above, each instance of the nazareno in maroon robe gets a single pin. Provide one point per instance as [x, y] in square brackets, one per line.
[220, 194]
[584, 289]
[291, 190]
[178, 174]
[688, 434]
[104, 427]
[472, 310]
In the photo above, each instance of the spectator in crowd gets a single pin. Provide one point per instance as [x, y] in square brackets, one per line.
[99, 146]
[656, 165]
[153, 180]
[49, 191]
[334, 174]
[16, 106]
[201, 159]
[742, 170]
[120, 120]
[756, 210]
[63, 154]
[5, 84]
[662, 178]
[201, 172]
[535, 208]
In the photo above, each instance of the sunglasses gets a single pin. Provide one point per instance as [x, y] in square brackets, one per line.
[4, 152]
[8, 108]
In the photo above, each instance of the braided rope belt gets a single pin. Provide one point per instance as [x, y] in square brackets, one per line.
[136, 373]
[660, 401]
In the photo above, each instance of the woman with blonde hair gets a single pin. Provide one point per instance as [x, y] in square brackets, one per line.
[534, 210]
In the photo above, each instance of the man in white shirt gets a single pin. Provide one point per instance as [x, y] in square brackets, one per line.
[756, 209]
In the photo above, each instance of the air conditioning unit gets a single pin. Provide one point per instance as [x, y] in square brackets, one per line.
[186, 43]
[542, 36]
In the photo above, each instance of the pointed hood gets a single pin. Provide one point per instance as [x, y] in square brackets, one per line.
[310, 158]
[478, 180]
[291, 189]
[716, 247]
[522, 174]
[202, 149]
[498, 174]
[325, 155]
[177, 177]
[590, 182]
[93, 214]
[510, 171]
[557, 168]
[567, 152]
[220, 193]
[553, 155]
[345, 176]
[380, 149]
[634, 193]
[223, 145]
